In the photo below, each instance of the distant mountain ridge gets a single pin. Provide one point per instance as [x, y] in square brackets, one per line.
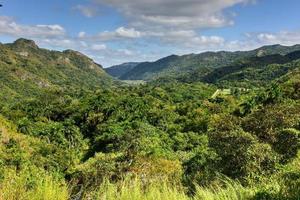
[174, 65]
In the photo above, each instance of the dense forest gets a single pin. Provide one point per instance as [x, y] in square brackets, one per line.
[218, 131]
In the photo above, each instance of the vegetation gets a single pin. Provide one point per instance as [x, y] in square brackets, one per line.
[166, 139]
[119, 70]
[193, 67]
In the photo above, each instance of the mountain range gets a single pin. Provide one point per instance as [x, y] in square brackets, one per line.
[27, 70]
[192, 64]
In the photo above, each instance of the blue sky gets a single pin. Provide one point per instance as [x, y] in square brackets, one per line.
[117, 31]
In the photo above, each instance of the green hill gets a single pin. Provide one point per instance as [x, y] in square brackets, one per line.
[174, 65]
[27, 70]
[119, 70]
[255, 71]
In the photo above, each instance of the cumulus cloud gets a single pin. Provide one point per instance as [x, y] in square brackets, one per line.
[176, 24]
[189, 38]
[129, 33]
[88, 11]
[183, 38]
[175, 13]
[8, 26]
[283, 37]
[119, 33]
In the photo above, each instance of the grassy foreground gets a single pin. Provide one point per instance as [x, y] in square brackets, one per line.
[48, 188]
[34, 184]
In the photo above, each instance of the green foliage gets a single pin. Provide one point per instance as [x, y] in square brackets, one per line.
[68, 125]
[200, 168]
[254, 71]
[288, 143]
[28, 71]
[241, 155]
[119, 70]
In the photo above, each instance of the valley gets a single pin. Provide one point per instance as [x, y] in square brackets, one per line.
[216, 125]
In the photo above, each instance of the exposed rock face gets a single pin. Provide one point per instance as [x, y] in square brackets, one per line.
[23, 53]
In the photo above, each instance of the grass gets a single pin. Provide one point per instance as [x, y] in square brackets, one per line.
[31, 184]
[136, 190]
[35, 184]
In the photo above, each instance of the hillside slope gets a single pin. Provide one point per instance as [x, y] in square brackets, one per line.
[119, 70]
[255, 71]
[174, 65]
[27, 70]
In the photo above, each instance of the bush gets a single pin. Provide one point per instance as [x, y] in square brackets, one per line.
[288, 144]
[241, 155]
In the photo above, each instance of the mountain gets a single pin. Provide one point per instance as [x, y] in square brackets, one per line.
[27, 70]
[254, 71]
[119, 70]
[174, 65]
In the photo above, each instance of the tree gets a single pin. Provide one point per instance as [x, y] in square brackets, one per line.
[240, 153]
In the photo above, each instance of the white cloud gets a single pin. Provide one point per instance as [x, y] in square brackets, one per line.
[128, 32]
[88, 11]
[98, 47]
[283, 37]
[169, 24]
[81, 34]
[189, 38]
[176, 13]
[118, 34]
[59, 43]
[9, 27]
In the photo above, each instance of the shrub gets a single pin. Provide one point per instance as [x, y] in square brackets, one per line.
[287, 143]
[241, 155]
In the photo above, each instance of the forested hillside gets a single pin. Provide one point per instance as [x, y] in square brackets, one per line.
[67, 133]
[199, 64]
[254, 72]
[27, 71]
[119, 70]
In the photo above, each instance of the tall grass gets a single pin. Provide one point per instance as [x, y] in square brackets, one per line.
[136, 190]
[36, 184]
[31, 185]
[230, 190]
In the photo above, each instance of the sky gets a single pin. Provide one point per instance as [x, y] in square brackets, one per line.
[117, 31]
